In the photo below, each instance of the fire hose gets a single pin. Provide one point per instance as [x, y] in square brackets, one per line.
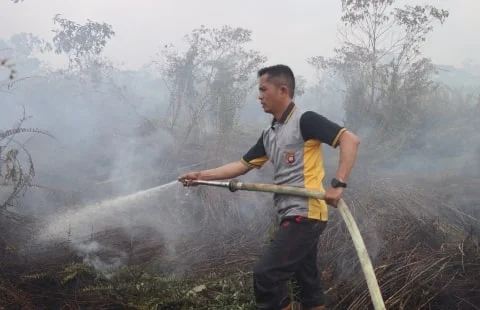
[375, 294]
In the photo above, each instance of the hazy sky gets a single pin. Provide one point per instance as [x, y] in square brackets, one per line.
[285, 31]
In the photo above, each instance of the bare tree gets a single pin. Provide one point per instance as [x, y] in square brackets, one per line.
[83, 44]
[381, 66]
[210, 81]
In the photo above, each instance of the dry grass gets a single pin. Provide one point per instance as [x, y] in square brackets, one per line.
[423, 243]
[421, 235]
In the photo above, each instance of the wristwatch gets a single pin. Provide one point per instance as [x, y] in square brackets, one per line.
[337, 183]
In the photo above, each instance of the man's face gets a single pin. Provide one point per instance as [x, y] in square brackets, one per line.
[270, 94]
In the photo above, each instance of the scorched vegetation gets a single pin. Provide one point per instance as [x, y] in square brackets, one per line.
[75, 232]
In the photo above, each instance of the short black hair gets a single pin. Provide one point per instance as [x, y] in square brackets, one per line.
[277, 71]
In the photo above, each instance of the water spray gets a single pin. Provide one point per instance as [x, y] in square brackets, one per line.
[98, 212]
[365, 261]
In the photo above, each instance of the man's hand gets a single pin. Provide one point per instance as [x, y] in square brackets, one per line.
[333, 195]
[187, 178]
[228, 171]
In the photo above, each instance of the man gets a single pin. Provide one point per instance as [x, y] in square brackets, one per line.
[293, 143]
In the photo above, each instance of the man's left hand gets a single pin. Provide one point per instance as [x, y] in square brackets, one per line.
[333, 195]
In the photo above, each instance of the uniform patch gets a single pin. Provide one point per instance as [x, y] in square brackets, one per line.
[290, 157]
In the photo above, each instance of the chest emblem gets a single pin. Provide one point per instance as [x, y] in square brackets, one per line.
[290, 157]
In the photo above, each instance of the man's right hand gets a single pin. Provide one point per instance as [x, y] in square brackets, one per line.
[227, 171]
[187, 178]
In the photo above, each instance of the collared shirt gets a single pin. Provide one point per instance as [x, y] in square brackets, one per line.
[293, 144]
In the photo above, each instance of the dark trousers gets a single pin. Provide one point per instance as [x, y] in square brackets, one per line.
[292, 253]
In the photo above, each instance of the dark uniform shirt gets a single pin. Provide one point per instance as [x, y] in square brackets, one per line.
[294, 147]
